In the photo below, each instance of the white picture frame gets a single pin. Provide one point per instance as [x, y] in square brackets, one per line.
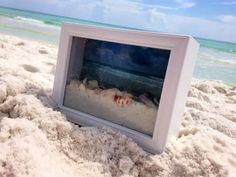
[176, 84]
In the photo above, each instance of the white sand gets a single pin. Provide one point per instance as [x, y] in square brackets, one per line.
[136, 116]
[37, 141]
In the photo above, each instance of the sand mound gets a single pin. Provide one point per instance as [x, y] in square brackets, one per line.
[38, 141]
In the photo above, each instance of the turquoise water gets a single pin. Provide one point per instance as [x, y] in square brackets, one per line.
[36, 25]
[216, 59]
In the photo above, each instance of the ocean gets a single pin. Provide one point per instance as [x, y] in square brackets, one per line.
[216, 59]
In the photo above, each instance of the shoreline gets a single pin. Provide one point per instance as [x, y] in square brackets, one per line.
[25, 36]
[210, 64]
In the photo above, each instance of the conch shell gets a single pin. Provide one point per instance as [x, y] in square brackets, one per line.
[123, 100]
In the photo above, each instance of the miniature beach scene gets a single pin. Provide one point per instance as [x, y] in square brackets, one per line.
[114, 83]
[37, 140]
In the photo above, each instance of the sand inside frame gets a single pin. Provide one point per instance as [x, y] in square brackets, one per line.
[136, 116]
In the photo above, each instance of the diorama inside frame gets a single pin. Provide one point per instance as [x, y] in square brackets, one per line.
[117, 82]
[124, 79]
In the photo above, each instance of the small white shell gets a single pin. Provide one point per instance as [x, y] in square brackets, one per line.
[156, 101]
[93, 84]
[82, 87]
[146, 101]
[85, 81]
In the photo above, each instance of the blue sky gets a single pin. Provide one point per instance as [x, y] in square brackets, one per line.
[214, 19]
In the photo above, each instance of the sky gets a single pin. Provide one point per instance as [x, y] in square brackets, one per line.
[212, 19]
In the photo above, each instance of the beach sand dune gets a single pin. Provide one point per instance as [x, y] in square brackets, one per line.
[37, 141]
